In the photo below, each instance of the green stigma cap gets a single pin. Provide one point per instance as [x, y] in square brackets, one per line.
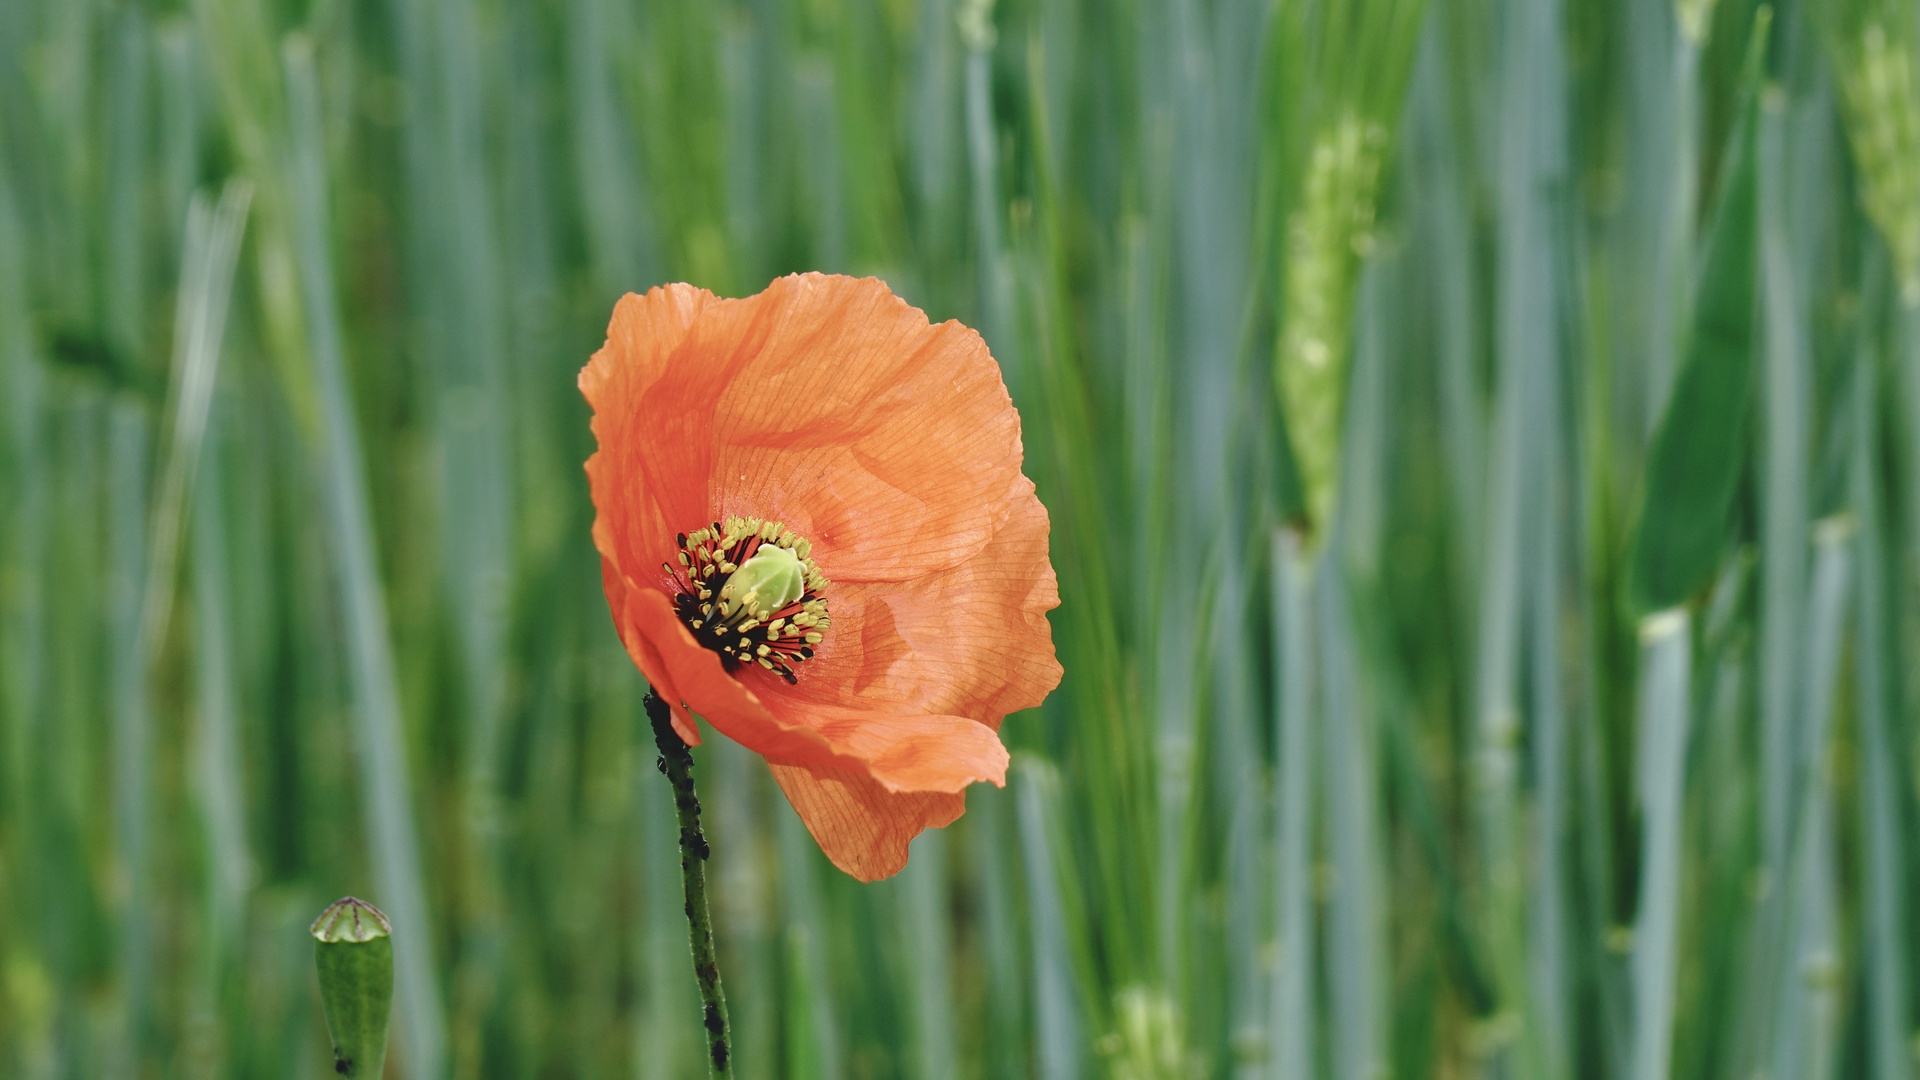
[773, 578]
[353, 955]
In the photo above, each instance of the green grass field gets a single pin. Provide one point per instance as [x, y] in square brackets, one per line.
[1482, 439]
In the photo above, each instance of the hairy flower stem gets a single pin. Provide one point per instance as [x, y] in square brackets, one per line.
[676, 761]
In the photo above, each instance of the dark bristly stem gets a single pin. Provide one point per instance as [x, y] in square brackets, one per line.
[676, 761]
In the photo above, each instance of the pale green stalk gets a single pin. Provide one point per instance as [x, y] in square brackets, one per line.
[181, 118]
[820, 163]
[609, 190]
[1782, 598]
[1495, 761]
[1668, 99]
[1174, 708]
[743, 903]
[1665, 700]
[1884, 853]
[243, 61]
[475, 421]
[926, 926]
[127, 437]
[1293, 1029]
[127, 155]
[1721, 827]
[1240, 783]
[1356, 952]
[1213, 215]
[977, 33]
[1054, 46]
[935, 140]
[1909, 374]
[531, 252]
[456, 272]
[1057, 1024]
[870, 97]
[1358, 532]
[1113, 772]
[814, 1050]
[24, 522]
[212, 243]
[72, 799]
[1171, 658]
[1602, 959]
[217, 771]
[1157, 586]
[206, 278]
[1810, 976]
[375, 692]
[995, 848]
[1440, 253]
[744, 64]
[149, 541]
[1605, 387]
[1548, 938]
[999, 822]
[1526, 340]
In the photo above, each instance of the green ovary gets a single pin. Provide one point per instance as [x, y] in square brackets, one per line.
[773, 578]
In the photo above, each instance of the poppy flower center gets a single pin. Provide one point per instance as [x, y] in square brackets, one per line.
[748, 590]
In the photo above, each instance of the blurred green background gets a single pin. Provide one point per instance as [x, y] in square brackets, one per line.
[1483, 445]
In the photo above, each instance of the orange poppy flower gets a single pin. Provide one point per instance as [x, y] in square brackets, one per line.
[814, 533]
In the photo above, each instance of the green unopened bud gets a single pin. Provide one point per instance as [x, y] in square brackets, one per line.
[353, 953]
[1328, 234]
[764, 584]
[1877, 83]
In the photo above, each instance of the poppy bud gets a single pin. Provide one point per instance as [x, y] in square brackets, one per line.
[353, 953]
[769, 581]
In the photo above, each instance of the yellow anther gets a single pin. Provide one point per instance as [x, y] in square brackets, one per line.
[761, 567]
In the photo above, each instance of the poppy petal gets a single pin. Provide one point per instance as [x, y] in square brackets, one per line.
[971, 641]
[901, 753]
[644, 655]
[698, 678]
[912, 752]
[890, 444]
[978, 640]
[882, 438]
[825, 402]
[640, 500]
[862, 827]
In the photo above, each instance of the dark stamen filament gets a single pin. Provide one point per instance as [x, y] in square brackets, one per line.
[742, 633]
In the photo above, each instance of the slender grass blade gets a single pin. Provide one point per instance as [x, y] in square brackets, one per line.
[386, 788]
[1665, 699]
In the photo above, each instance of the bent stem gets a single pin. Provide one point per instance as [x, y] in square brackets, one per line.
[676, 761]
